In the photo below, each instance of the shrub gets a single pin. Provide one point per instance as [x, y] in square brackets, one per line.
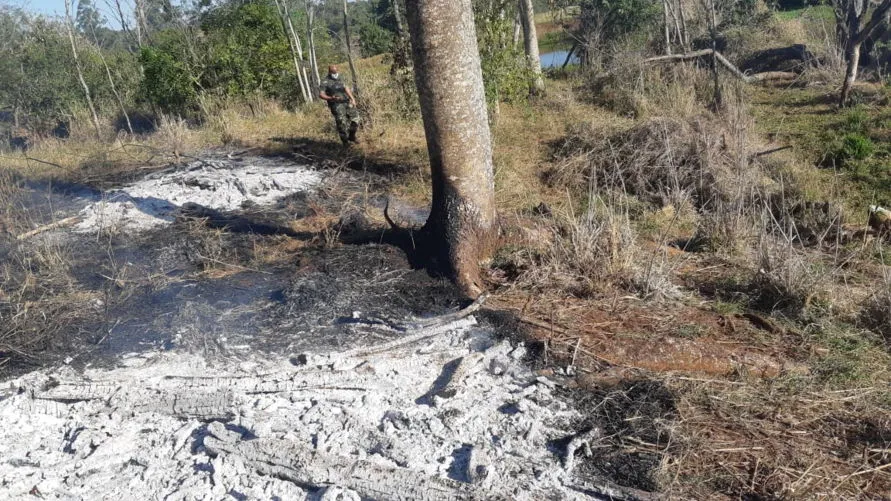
[850, 148]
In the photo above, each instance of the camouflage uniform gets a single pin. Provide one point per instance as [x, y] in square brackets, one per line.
[345, 116]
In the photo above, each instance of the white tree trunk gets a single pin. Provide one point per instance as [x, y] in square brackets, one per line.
[288, 28]
[310, 35]
[666, 27]
[462, 222]
[69, 25]
[348, 40]
[530, 38]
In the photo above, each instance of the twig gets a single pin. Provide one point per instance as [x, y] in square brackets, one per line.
[233, 265]
[32, 159]
[739, 449]
[871, 470]
[771, 151]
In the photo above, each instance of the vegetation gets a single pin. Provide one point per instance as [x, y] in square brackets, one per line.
[693, 245]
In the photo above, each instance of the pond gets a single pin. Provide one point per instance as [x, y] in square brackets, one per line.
[555, 59]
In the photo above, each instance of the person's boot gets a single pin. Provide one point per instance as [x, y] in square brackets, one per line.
[354, 127]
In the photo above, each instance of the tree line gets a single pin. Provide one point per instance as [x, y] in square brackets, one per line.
[131, 60]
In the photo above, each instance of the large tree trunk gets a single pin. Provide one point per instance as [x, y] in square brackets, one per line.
[530, 38]
[462, 222]
[80, 75]
[348, 40]
[853, 57]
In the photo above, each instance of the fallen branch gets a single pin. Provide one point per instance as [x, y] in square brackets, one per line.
[68, 221]
[757, 77]
[771, 151]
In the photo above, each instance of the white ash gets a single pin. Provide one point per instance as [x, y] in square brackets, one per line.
[490, 433]
[213, 184]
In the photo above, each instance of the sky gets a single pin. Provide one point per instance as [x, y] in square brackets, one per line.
[48, 7]
[57, 8]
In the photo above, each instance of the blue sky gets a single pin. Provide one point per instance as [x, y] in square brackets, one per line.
[57, 8]
[49, 7]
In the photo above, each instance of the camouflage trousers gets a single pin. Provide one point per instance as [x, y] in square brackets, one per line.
[346, 118]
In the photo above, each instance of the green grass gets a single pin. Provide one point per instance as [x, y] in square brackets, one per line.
[820, 134]
[819, 12]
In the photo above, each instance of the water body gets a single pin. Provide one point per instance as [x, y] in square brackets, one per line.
[555, 59]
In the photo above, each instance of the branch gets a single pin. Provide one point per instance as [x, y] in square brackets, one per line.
[69, 221]
[878, 17]
[758, 77]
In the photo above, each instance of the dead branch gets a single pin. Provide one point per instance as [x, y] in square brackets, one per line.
[757, 77]
[68, 221]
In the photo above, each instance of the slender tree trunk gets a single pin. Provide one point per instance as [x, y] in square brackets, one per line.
[713, 32]
[666, 27]
[530, 38]
[140, 22]
[854, 24]
[299, 46]
[348, 39]
[286, 23]
[518, 28]
[569, 55]
[462, 221]
[124, 26]
[685, 35]
[310, 35]
[114, 88]
[80, 75]
[853, 57]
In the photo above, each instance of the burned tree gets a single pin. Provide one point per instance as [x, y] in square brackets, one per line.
[449, 79]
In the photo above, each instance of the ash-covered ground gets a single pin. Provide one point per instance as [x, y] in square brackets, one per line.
[205, 362]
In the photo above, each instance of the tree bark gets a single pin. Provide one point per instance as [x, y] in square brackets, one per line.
[462, 222]
[80, 75]
[348, 39]
[530, 39]
[853, 57]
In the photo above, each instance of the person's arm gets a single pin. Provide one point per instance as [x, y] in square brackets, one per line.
[325, 97]
[350, 94]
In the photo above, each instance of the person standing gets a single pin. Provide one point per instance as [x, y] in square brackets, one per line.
[342, 105]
